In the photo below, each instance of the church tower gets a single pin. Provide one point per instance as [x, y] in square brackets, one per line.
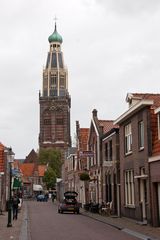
[54, 100]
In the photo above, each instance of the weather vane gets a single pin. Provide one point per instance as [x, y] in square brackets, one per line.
[55, 18]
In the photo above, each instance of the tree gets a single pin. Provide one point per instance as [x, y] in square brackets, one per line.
[50, 178]
[84, 176]
[52, 158]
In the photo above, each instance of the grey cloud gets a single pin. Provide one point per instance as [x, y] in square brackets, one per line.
[130, 7]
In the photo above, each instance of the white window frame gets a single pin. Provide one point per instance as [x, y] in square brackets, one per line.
[128, 138]
[141, 135]
[129, 188]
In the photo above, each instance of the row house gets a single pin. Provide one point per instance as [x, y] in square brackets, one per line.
[77, 164]
[111, 169]
[139, 150]
[125, 161]
[81, 144]
[154, 166]
[99, 181]
[32, 176]
[71, 167]
[6, 175]
[2, 178]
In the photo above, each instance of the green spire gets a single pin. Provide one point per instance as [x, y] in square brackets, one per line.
[55, 36]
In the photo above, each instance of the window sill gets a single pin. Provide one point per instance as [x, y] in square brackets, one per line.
[130, 206]
[128, 153]
[141, 149]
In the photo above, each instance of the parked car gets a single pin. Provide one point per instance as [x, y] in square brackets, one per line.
[41, 198]
[69, 203]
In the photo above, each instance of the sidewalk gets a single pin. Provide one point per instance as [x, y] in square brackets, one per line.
[130, 226]
[10, 232]
[18, 231]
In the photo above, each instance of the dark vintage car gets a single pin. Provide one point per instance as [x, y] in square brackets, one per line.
[69, 203]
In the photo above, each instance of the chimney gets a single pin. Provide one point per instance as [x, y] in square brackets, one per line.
[94, 113]
[77, 127]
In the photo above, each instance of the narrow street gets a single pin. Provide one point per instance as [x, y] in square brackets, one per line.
[46, 223]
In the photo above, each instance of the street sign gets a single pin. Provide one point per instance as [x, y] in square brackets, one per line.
[86, 154]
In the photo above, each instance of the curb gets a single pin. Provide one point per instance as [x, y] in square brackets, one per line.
[126, 230]
[24, 232]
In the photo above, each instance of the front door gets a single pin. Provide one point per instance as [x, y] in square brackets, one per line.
[143, 198]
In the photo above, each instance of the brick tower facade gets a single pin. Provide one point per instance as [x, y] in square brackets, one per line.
[54, 100]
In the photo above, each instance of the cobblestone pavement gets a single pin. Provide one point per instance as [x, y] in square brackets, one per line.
[19, 228]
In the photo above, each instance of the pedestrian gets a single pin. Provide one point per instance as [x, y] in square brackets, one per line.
[15, 202]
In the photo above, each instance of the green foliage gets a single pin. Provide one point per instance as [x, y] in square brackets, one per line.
[52, 157]
[50, 178]
[84, 176]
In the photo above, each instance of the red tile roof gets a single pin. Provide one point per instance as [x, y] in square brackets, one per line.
[27, 169]
[150, 96]
[83, 138]
[41, 170]
[107, 125]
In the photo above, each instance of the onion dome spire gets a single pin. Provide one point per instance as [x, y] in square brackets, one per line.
[55, 36]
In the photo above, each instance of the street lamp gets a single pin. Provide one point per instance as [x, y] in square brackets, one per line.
[10, 159]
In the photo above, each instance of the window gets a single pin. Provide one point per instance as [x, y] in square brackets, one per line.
[108, 151]
[141, 134]
[59, 121]
[129, 187]
[53, 80]
[128, 138]
[47, 121]
[62, 81]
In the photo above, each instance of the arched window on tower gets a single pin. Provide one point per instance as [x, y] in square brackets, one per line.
[62, 85]
[53, 84]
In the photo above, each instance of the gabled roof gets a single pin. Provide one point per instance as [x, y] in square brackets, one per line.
[41, 170]
[32, 157]
[83, 138]
[138, 101]
[148, 96]
[107, 125]
[27, 169]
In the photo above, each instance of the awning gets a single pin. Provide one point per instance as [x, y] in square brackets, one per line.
[17, 183]
[37, 187]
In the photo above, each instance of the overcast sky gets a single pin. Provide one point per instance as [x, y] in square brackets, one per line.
[110, 47]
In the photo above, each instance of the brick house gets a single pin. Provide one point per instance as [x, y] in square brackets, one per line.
[2, 178]
[111, 169]
[97, 129]
[136, 135]
[154, 164]
[71, 169]
[81, 143]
